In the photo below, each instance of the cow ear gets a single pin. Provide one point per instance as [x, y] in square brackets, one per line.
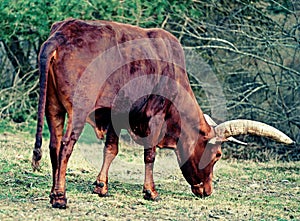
[209, 135]
[216, 141]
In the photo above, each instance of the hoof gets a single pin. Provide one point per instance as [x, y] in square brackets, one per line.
[59, 205]
[151, 195]
[101, 189]
[58, 200]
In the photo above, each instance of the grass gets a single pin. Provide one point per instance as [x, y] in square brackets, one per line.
[244, 190]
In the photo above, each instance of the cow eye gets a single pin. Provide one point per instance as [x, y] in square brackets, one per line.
[218, 155]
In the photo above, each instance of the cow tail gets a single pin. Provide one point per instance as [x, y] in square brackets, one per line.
[46, 54]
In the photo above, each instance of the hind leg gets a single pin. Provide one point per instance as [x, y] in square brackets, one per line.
[55, 115]
[74, 128]
[109, 153]
[58, 194]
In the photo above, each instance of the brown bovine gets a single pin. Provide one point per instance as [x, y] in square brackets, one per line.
[116, 76]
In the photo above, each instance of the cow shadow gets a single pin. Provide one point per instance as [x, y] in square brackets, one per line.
[131, 189]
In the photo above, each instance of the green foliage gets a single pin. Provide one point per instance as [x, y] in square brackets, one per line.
[23, 19]
[5, 126]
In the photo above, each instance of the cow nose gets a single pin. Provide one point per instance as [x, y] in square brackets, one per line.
[201, 191]
[205, 193]
[198, 190]
[207, 190]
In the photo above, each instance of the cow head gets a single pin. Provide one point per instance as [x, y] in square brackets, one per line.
[198, 166]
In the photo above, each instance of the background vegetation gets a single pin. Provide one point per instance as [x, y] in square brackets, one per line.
[252, 46]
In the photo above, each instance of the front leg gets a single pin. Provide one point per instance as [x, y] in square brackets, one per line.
[149, 186]
[110, 152]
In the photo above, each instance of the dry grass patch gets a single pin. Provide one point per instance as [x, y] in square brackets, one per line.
[244, 190]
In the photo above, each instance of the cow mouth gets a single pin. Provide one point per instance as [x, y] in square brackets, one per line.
[199, 190]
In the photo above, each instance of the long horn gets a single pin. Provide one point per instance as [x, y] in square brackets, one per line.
[212, 123]
[238, 127]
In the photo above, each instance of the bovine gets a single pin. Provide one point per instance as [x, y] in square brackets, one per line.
[84, 66]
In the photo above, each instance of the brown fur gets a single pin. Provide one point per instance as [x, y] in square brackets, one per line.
[65, 59]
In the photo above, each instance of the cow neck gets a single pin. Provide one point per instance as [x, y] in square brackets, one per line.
[193, 134]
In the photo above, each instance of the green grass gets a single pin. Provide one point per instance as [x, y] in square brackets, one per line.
[243, 190]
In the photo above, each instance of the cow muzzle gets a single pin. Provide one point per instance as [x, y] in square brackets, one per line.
[201, 190]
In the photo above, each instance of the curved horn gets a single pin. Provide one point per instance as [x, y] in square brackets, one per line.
[237, 127]
[212, 123]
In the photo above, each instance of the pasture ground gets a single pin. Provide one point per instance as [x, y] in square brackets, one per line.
[243, 190]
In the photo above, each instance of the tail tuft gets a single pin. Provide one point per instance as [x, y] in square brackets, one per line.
[37, 155]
